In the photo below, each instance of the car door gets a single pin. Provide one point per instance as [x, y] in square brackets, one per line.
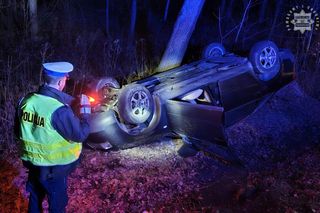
[199, 121]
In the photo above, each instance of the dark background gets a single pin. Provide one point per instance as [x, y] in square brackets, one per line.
[75, 31]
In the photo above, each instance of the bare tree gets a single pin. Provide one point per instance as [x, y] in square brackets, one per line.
[230, 9]
[107, 18]
[166, 11]
[222, 7]
[33, 18]
[275, 19]
[182, 32]
[247, 6]
[133, 19]
[262, 11]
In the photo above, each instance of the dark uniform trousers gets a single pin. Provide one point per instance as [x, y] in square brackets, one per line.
[50, 181]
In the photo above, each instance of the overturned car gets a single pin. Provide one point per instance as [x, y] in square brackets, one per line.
[196, 101]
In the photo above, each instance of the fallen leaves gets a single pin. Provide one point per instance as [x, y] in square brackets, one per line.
[153, 178]
[11, 197]
[141, 179]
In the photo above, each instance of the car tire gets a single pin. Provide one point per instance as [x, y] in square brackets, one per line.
[135, 104]
[264, 57]
[213, 50]
[106, 81]
[99, 85]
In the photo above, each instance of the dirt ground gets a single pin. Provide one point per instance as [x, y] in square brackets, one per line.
[153, 178]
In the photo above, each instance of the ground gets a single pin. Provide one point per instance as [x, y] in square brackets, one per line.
[153, 178]
[280, 169]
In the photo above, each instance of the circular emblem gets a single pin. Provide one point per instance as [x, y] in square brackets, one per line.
[302, 18]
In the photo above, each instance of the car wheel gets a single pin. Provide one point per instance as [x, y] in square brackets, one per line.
[264, 57]
[213, 50]
[102, 84]
[135, 104]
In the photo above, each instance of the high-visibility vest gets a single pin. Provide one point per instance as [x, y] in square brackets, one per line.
[42, 145]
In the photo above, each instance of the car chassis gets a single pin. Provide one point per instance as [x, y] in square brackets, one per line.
[196, 102]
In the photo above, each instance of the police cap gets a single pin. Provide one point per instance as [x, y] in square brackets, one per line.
[57, 69]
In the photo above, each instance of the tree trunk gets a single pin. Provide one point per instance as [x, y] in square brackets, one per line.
[230, 9]
[33, 18]
[107, 19]
[247, 6]
[166, 11]
[222, 7]
[277, 13]
[133, 19]
[182, 32]
[263, 9]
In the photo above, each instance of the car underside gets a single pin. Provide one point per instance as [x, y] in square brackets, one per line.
[196, 101]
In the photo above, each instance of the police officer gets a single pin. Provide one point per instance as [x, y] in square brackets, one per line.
[51, 137]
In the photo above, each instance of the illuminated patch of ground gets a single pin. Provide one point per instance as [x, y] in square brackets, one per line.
[144, 178]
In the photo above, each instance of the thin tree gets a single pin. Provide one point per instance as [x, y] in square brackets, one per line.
[275, 19]
[166, 11]
[107, 18]
[182, 32]
[33, 18]
[243, 19]
[222, 6]
[133, 19]
[262, 11]
[230, 9]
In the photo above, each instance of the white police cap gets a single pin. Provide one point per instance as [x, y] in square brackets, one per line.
[58, 69]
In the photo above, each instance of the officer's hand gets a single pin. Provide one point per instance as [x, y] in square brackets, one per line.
[85, 107]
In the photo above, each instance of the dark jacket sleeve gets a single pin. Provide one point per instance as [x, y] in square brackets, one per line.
[69, 126]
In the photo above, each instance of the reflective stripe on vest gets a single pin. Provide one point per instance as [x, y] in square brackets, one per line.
[42, 145]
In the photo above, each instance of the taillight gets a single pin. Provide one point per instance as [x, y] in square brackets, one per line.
[91, 99]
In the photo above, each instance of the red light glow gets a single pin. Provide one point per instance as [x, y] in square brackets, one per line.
[91, 99]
